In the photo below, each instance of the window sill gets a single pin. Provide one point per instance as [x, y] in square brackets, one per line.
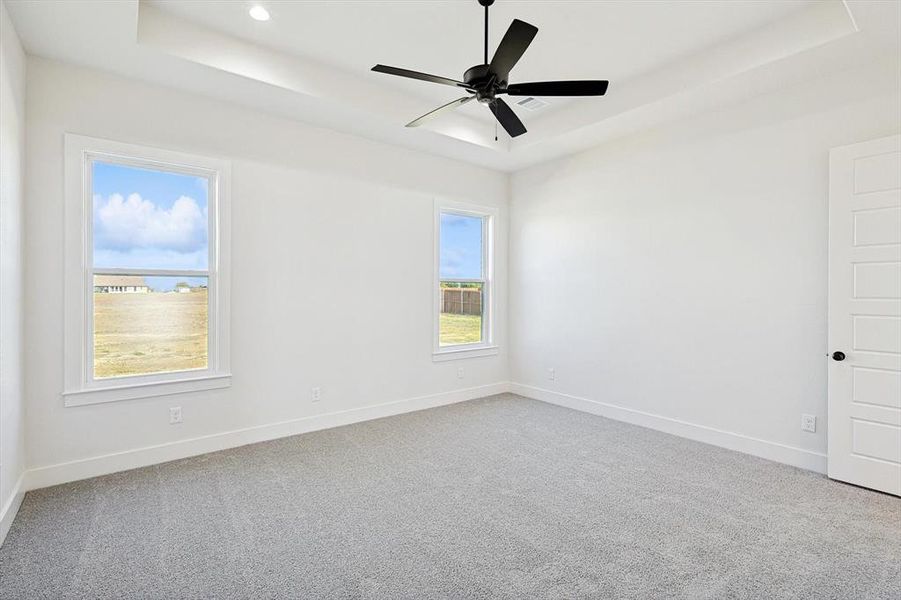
[461, 353]
[145, 390]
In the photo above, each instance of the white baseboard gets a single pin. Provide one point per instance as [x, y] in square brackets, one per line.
[40, 477]
[790, 455]
[8, 511]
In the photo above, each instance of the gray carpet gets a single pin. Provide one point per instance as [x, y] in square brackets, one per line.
[496, 498]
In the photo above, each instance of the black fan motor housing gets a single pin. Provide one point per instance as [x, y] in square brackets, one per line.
[481, 80]
[477, 76]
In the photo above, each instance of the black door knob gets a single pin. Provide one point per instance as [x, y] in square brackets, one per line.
[838, 355]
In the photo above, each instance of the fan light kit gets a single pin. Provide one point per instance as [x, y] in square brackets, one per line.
[484, 82]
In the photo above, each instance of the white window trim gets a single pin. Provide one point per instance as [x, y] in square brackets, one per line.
[80, 387]
[487, 347]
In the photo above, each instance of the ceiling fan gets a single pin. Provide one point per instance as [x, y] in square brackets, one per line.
[487, 80]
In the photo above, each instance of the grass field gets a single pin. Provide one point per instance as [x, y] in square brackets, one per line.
[460, 329]
[135, 334]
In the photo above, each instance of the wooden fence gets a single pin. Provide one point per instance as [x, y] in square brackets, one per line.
[461, 301]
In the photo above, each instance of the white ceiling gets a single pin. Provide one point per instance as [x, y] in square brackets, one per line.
[311, 61]
[614, 40]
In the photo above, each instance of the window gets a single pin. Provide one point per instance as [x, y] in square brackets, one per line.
[463, 283]
[146, 272]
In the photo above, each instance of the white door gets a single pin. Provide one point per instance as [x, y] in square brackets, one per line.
[865, 314]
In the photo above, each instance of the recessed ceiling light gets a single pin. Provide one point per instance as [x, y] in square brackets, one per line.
[259, 13]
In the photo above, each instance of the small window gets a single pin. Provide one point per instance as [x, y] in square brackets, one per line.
[146, 298]
[464, 287]
[150, 233]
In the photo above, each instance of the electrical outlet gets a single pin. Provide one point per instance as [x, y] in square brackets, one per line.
[316, 394]
[552, 374]
[809, 423]
[174, 415]
[460, 373]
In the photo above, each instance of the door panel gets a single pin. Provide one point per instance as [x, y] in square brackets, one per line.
[876, 386]
[876, 226]
[877, 334]
[876, 440]
[873, 281]
[865, 314]
[876, 172]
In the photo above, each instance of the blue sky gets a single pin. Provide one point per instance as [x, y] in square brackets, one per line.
[461, 247]
[158, 220]
[149, 219]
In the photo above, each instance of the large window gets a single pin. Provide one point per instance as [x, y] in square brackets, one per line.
[464, 299]
[146, 271]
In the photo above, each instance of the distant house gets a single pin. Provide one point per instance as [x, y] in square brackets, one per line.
[182, 288]
[120, 284]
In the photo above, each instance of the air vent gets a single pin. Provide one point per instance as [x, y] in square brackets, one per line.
[531, 103]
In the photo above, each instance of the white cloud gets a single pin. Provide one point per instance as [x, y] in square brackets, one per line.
[122, 224]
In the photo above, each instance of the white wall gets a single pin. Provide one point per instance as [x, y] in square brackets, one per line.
[12, 148]
[677, 279]
[332, 271]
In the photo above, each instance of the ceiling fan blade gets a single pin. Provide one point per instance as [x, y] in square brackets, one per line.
[506, 117]
[417, 75]
[558, 88]
[439, 111]
[512, 46]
